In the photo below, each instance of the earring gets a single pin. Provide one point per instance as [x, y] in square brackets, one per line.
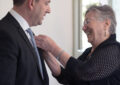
[105, 33]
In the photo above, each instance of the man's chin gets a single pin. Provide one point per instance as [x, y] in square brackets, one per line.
[36, 24]
[40, 23]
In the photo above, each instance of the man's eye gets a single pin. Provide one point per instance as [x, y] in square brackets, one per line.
[47, 3]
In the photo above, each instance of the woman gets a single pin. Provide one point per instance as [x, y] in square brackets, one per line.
[98, 65]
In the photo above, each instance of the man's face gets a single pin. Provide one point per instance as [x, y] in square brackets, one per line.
[41, 9]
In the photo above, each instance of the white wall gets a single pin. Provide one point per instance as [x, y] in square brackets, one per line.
[116, 7]
[57, 25]
[5, 6]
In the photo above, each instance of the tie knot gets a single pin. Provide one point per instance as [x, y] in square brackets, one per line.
[29, 31]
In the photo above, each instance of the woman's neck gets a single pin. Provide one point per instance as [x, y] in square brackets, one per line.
[98, 42]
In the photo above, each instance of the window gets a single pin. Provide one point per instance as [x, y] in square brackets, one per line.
[116, 7]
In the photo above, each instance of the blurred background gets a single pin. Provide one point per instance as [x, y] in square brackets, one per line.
[64, 24]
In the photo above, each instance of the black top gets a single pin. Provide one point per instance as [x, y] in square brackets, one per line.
[101, 68]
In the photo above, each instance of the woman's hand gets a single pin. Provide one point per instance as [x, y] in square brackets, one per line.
[45, 43]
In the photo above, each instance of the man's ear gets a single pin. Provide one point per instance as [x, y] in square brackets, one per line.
[31, 4]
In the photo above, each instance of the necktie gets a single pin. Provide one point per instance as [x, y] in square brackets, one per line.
[35, 47]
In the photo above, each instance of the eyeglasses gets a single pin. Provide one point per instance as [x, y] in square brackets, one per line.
[87, 21]
[91, 19]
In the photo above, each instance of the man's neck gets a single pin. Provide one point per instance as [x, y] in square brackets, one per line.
[23, 12]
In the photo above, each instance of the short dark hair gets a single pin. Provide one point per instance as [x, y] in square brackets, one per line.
[19, 2]
[104, 12]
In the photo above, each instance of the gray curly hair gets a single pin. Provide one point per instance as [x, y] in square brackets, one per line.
[19, 2]
[105, 12]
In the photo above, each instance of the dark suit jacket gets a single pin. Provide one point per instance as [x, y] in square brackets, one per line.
[18, 60]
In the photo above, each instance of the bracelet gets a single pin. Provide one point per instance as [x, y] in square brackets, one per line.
[58, 57]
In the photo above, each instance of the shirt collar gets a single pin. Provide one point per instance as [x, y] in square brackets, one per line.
[23, 23]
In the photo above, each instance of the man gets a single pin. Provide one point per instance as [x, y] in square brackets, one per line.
[19, 61]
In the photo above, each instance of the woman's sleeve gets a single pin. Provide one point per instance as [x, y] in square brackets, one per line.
[67, 75]
[102, 64]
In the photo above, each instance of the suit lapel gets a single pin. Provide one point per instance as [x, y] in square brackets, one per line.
[23, 35]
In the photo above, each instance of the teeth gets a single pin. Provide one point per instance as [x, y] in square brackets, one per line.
[88, 33]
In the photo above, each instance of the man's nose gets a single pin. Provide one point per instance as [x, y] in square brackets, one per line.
[48, 9]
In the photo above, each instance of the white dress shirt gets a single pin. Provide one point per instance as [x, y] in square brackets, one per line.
[23, 23]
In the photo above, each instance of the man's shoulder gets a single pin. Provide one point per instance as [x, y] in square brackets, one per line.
[8, 22]
[4, 21]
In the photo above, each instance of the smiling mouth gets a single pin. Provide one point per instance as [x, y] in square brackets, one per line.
[88, 32]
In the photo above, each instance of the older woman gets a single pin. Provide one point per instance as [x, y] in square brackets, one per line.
[99, 64]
